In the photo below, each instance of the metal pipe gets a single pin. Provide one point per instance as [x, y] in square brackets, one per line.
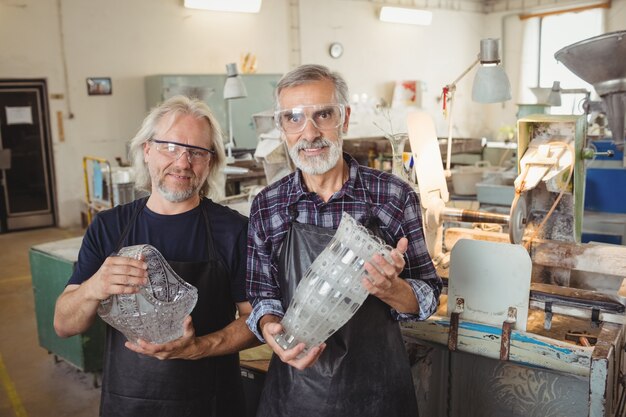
[462, 215]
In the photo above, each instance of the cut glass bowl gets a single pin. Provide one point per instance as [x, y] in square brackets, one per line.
[331, 291]
[156, 313]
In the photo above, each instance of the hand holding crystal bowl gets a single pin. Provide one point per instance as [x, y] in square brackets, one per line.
[156, 313]
[331, 291]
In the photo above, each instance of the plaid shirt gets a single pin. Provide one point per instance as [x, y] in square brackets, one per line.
[380, 194]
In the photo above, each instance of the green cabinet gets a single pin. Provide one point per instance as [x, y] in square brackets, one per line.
[51, 265]
[210, 89]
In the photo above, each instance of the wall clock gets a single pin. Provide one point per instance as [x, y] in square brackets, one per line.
[335, 50]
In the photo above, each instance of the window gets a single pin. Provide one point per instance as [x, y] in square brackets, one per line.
[556, 32]
[543, 36]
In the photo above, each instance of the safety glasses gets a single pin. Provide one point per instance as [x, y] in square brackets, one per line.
[173, 150]
[323, 117]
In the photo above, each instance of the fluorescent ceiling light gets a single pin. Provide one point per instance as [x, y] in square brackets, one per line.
[244, 6]
[406, 16]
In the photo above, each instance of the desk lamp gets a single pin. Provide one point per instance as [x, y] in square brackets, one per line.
[491, 85]
[554, 98]
[550, 96]
[234, 88]
[556, 92]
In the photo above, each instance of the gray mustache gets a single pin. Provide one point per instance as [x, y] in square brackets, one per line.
[316, 144]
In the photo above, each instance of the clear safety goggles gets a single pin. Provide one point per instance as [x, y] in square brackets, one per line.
[323, 117]
[174, 150]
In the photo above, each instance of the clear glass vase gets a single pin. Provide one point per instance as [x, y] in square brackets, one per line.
[331, 291]
[398, 142]
[156, 313]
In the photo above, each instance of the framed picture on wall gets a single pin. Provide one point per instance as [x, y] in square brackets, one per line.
[99, 86]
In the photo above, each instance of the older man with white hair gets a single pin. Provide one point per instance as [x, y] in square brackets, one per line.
[362, 369]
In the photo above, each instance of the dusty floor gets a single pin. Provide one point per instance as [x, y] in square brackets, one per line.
[31, 383]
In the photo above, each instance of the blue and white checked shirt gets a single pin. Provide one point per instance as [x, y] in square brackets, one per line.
[383, 195]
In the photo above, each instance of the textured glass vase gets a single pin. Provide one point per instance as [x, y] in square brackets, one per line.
[157, 311]
[331, 292]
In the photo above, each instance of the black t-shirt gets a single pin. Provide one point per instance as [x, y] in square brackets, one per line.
[179, 237]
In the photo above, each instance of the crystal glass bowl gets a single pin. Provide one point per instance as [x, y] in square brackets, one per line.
[157, 311]
[331, 291]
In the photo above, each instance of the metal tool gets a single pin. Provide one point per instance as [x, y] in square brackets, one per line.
[518, 218]
[600, 62]
[582, 338]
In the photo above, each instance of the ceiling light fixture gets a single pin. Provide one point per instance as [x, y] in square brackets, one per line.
[405, 16]
[242, 6]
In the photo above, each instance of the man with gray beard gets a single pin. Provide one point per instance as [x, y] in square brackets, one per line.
[362, 369]
[177, 156]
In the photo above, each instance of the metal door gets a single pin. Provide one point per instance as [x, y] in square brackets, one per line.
[26, 172]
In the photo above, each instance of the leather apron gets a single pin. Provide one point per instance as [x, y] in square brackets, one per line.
[364, 370]
[136, 385]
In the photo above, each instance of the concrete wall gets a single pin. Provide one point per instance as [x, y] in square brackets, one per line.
[124, 40]
[130, 39]
[616, 16]
[377, 54]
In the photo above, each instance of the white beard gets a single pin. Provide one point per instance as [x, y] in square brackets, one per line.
[320, 164]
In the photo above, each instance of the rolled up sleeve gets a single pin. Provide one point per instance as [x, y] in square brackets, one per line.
[262, 308]
[426, 300]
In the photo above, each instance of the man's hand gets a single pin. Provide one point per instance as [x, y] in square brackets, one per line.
[290, 356]
[185, 347]
[117, 275]
[76, 307]
[383, 280]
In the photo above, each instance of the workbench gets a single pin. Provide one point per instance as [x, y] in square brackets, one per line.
[51, 266]
[254, 364]
[545, 373]
[254, 176]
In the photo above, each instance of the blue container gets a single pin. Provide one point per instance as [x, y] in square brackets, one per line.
[605, 186]
[600, 237]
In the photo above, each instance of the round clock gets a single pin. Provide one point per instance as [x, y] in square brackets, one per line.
[335, 50]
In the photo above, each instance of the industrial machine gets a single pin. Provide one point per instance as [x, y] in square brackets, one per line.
[532, 322]
[600, 62]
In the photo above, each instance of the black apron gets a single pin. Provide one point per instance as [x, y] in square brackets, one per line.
[136, 385]
[364, 370]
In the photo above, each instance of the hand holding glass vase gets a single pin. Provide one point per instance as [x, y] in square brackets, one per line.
[331, 291]
[156, 313]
